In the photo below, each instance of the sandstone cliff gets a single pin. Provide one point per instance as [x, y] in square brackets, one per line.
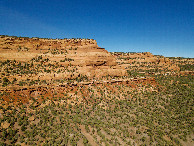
[85, 54]
[83, 51]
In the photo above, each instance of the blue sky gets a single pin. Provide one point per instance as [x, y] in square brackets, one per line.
[162, 27]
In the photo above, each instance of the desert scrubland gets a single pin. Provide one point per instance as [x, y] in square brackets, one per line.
[73, 92]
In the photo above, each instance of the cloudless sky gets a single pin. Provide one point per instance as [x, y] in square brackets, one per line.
[162, 27]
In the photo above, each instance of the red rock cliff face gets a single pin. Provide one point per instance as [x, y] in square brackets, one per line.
[39, 43]
[145, 61]
[85, 52]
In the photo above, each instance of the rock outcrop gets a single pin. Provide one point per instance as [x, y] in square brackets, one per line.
[85, 54]
[145, 61]
[83, 51]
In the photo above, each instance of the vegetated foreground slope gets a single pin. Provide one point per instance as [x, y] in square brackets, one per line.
[76, 93]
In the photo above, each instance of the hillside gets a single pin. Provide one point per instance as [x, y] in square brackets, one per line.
[73, 92]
